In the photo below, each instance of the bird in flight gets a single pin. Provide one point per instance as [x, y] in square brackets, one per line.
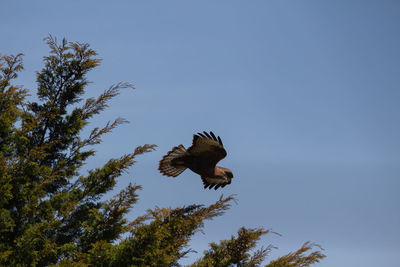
[201, 158]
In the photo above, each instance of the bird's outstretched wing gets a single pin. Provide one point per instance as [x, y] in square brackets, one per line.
[214, 182]
[208, 147]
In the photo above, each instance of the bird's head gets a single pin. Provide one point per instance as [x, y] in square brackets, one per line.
[223, 173]
[229, 174]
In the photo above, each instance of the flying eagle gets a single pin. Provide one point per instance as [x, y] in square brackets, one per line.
[202, 158]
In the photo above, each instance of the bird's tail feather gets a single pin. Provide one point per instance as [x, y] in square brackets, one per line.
[169, 164]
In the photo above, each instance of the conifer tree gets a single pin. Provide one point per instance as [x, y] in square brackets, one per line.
[51, 213]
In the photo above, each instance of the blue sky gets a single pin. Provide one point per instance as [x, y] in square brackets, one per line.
[305, 95]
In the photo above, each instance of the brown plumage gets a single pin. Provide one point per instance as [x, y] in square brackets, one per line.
[202, 158]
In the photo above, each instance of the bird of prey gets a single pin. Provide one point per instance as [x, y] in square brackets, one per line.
[202, 158]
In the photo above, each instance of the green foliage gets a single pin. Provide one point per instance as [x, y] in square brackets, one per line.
[299, 258]
[52, 214]
[236, 250]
